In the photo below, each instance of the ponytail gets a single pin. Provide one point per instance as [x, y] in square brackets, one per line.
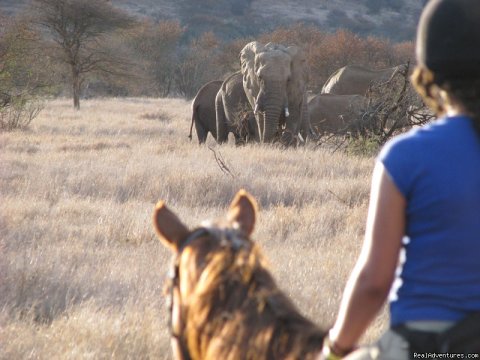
[465, 90]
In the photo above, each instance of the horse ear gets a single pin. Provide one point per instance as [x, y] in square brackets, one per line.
[170, 230]
[243, 211]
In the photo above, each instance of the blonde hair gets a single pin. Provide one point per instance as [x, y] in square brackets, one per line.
[465, 90]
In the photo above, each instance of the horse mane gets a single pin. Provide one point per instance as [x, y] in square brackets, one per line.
[236, 310]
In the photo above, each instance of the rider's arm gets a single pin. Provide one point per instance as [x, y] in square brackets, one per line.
[373, 274]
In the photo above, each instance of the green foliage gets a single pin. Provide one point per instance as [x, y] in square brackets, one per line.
[363, 146]
[24, 75]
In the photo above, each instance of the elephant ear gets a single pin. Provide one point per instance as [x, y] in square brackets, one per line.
[247, 61]
[299, 64]
[297, 87]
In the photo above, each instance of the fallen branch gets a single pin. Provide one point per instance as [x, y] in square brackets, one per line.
[343, 201]
[221, 163]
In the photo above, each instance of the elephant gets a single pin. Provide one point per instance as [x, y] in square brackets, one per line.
[274, 80]
[336, 114]
[233, 112]
[203, 111]
[356, 80]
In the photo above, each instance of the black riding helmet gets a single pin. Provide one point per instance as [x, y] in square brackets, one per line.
[448, 38]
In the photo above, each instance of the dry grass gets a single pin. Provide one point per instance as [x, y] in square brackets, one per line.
[81, 273]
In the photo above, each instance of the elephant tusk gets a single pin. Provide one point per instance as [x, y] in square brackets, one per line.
[286, 111]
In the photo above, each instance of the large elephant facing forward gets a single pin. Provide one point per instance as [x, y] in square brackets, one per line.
[274, 80]
[356, 80]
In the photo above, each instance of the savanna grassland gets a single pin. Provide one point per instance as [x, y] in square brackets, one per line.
[81, 271]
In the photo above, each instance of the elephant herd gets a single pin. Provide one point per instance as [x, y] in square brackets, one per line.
[266, 101]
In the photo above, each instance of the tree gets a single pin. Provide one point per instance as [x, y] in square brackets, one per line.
[24, 74]
[155, 46]
[198, 65]
[79, 30]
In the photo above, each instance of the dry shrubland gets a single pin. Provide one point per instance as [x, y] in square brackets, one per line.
[44, 52]
[81, 272]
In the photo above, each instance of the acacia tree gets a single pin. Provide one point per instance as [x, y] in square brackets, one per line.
[78, 29]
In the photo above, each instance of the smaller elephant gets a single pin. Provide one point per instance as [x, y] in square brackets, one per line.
[203, 111]
[234, 113]
[356, 80]
[336, 114]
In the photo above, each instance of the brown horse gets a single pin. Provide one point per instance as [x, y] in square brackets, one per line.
[224, 303]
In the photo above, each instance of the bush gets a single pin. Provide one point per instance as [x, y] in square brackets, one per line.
[19, 113]
[24, 74]
[393, 107]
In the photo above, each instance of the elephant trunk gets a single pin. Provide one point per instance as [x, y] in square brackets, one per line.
[272, 121]
[274, 107]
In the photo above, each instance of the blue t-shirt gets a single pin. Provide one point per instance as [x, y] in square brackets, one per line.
[437, 169]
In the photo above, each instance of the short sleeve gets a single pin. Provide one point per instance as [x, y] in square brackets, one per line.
[398, 158]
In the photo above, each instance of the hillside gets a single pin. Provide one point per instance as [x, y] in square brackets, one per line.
[394, 19]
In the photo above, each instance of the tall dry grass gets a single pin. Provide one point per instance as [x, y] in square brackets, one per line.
[81, 272]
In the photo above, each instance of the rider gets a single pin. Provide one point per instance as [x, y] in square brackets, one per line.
[422, 239]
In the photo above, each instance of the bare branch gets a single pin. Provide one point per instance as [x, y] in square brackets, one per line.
[221, 163]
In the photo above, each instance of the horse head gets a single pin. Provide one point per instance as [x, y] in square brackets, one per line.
[223, 301]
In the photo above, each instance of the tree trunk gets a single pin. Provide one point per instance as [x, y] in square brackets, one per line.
[76, 88]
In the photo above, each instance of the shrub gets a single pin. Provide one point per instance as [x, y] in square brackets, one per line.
[24, 74]
[19, 112]
[393, 107]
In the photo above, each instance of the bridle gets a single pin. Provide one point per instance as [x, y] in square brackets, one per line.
[230, 238]
[228, 235]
